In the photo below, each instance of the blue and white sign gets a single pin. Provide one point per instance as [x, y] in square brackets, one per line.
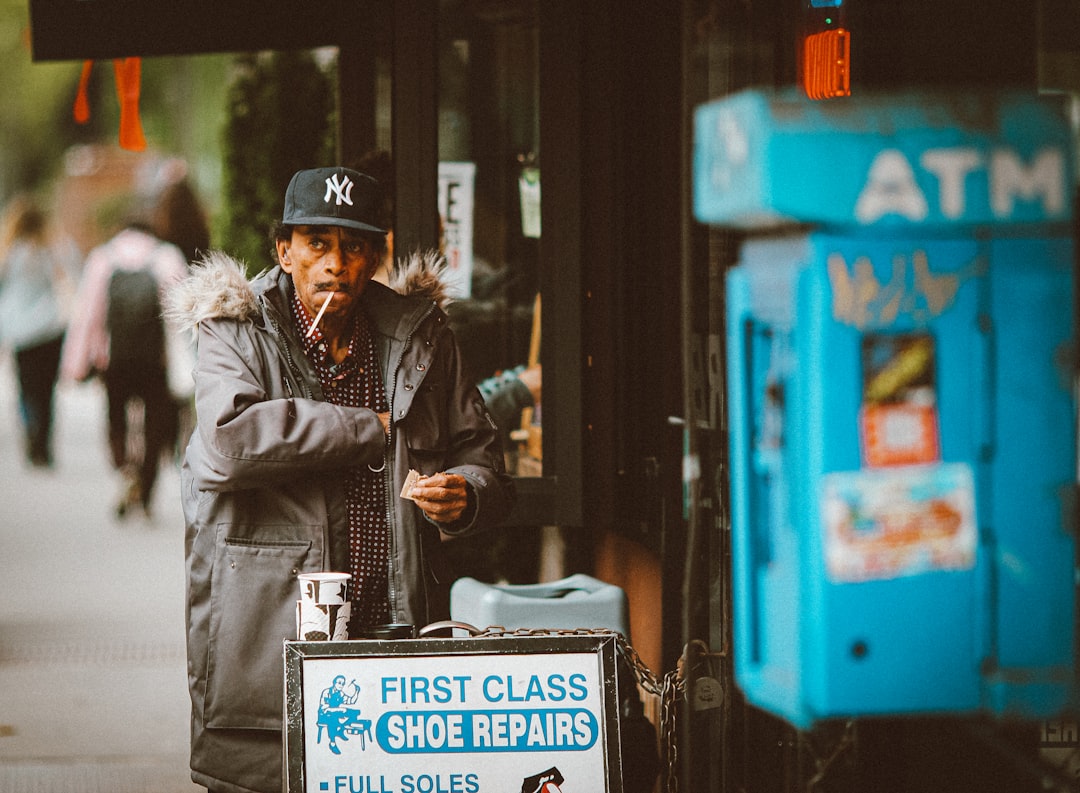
[888, 161]
[421, 716]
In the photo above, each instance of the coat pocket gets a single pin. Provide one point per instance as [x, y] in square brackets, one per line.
[253, 611]
[426, 426]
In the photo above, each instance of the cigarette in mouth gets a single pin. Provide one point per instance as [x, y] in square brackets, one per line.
[315, 322]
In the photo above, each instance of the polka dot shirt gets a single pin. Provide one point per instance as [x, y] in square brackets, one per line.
[357, 382]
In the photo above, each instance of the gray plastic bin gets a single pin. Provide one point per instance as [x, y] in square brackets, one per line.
[578, 601]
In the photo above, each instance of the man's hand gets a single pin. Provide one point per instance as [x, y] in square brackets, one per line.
[442, 497]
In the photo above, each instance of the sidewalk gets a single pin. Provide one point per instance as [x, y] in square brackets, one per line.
[93, 691]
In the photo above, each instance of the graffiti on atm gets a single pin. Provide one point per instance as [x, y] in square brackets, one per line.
[913, 290]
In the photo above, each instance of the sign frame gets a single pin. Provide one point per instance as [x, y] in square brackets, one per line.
[302, 655]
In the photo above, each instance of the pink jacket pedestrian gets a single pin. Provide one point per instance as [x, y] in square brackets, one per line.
[86, 348]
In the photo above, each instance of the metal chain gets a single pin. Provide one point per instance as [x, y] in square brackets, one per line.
[672, 691]
[670, 688]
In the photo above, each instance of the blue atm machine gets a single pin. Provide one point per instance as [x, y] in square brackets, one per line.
[901, 402]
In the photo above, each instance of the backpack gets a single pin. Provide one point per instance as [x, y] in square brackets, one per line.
[133, 319]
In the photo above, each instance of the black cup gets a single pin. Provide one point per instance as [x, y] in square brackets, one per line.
[393, 630]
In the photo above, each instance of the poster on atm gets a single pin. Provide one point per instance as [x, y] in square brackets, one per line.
[486, 715]
[905, 521]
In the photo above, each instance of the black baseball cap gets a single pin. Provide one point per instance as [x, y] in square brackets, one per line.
[333, 197]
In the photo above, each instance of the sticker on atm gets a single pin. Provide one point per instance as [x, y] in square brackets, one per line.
[894, 522]
[898, 420]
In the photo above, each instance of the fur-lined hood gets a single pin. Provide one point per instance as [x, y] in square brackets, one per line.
[218, 288]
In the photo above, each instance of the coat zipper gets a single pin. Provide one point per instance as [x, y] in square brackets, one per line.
[283, 344]
[388, 468]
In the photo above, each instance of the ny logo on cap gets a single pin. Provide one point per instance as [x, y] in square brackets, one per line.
[343, 189]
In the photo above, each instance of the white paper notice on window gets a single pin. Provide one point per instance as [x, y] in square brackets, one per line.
[529, 187]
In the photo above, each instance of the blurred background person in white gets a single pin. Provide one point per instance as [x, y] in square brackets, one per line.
[38, 271]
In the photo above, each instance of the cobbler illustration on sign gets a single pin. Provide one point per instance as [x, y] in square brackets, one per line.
[455, 723]
[338, 719]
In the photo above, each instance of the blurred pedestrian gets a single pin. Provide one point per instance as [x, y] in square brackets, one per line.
[178, 217]
[378, 164]
[38, 271]
[509, 392]
[117, 332]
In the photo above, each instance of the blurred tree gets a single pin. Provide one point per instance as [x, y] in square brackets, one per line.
[36, 125]
[280, 119]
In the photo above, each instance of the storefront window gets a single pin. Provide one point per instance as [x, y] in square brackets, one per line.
[489, 202]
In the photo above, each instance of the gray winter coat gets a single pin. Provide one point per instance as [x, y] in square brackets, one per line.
[263, 497]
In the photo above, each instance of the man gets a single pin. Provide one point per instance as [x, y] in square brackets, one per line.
[317, 391]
